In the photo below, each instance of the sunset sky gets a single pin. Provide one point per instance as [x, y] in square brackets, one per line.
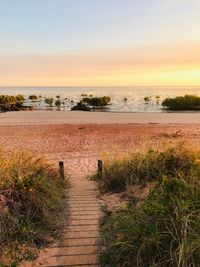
[99, 42]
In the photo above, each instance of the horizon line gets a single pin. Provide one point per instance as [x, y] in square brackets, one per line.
[97, 86]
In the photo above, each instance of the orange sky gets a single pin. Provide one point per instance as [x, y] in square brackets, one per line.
[172, 64]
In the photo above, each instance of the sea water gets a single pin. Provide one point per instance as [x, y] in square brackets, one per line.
[123, 99]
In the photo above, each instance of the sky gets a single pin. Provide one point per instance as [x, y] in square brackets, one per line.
[99, 42]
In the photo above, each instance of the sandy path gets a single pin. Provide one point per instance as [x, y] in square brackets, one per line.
[67, 117]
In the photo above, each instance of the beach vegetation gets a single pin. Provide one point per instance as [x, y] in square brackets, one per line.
[49, 101]
[58, 103]
[181, 103]
[119, 172]
[97, 101]
[31, 205]
[20, 98]
[163, 228]
[33, 97]
[81, 106]
[6, 99]
[147, 99]
[11, 103]
[157, 97]
[89, 103]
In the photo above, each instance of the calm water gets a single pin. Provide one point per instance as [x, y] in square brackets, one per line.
[135, 96]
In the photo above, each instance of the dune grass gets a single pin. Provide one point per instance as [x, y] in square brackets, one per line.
[144, 166]
[31, 204]
[164, 229]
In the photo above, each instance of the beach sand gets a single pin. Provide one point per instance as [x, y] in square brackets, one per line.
[81, 145]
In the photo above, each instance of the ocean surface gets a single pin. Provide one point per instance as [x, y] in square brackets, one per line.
[124, 99]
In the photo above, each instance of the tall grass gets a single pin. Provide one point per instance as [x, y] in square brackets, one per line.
[144, 166]
[31, 202]
[164, 229]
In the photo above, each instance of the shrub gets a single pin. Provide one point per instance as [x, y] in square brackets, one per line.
[164, 229]
[33, 97]
[187, 102]
[97, 101]
[81, 106]
[20, 98]
[49, 101]
[147, 99]
[31, 202]
[58, 103]
[8, 102]
[7, 99]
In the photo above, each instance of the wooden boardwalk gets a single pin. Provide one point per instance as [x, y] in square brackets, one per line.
[80, 244]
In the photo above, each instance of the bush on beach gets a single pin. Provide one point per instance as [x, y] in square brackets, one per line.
[187, 102]
[31, 203]
[164, 229]
[97, 101]
[91, 103]
[33, 97]
[81, 106]
[11, 103]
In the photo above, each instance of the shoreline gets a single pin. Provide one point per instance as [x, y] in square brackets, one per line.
[82, 117]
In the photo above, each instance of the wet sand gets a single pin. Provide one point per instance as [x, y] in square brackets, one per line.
[80, 117]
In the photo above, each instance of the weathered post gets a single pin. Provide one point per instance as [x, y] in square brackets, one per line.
[61, 169]
[100, 168]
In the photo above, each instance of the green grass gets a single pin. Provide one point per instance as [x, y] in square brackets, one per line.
[164, 229]
[31, 204]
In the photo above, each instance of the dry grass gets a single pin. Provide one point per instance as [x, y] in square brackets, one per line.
[143, 166]
[31, 204]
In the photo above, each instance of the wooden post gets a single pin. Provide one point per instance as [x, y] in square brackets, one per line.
[61, 169]
[100, 168]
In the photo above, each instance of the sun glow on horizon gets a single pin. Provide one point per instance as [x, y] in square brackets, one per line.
[170, 65]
